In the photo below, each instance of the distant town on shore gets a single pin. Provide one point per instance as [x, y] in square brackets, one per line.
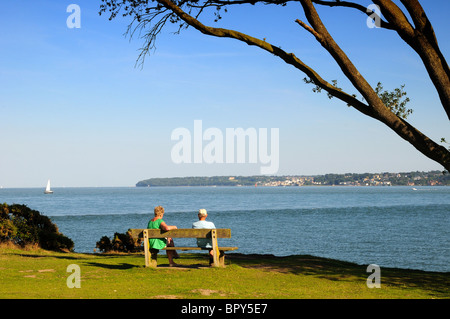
[432, 178]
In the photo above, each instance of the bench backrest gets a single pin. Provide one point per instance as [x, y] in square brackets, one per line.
[181, 233]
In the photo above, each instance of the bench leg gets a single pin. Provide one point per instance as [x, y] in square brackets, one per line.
[222, 259]
[151, 255]
[146, 249]
[153, 262]
[214, 248]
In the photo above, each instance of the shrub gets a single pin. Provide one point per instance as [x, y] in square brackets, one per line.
[7, 228]
[104, 245]
[120, 243]
[22, 226]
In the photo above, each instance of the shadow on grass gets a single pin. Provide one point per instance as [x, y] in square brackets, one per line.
[78, 256]
[87, 259]
[29, 255]
[435, 282]
[121, 266]
[182, 266]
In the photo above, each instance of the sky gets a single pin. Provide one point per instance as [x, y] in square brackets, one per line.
[76, 109]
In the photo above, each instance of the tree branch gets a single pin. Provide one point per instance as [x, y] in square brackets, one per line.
[359, 7]
[417, 14]
[381, 112]
[309, 29]
[423, 25]
[396, 18]
[347, 67]
[289, 58]
[422, 40]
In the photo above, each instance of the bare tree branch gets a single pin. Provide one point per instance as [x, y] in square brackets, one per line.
[396, 18]
[423, 40]
[382, 113]
[309, 29]
[289, 58]
[359, 7]
[423, 25]
[417, 14]
[420, 37]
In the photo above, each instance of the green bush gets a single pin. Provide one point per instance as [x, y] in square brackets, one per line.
[120, 243]
[104, 244]
[22, 226]
[7, 229]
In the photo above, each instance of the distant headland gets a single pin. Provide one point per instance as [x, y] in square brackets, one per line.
[432, 178]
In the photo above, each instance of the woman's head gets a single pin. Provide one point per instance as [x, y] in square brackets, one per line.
[159, 211]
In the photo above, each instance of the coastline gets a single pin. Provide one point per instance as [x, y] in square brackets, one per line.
[431, 178]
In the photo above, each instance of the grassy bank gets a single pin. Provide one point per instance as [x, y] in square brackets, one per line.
[38, 273]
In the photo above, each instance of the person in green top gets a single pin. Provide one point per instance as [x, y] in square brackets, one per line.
[155, 243]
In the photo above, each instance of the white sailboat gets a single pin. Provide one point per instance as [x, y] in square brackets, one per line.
[47, 189]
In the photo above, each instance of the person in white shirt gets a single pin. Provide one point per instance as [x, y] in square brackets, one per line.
[202, 223]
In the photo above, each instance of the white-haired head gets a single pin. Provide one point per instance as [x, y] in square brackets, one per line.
[202, 212]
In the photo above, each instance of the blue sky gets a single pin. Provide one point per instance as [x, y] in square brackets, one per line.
[76, 110]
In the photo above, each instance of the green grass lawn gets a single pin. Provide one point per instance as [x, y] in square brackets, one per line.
[39, 274]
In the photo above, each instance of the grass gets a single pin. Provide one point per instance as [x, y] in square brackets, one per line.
[36, 274]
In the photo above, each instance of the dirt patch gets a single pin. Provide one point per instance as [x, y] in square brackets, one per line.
[207, 292]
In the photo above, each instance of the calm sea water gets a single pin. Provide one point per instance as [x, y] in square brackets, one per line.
[388, 226]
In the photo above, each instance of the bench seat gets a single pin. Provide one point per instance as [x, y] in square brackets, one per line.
[199, 248]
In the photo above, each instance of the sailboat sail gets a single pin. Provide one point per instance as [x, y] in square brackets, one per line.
[47, 189]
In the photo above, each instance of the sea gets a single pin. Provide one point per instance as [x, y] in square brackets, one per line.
[397, 226]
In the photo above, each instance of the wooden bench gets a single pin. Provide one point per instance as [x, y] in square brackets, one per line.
[151, 255]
